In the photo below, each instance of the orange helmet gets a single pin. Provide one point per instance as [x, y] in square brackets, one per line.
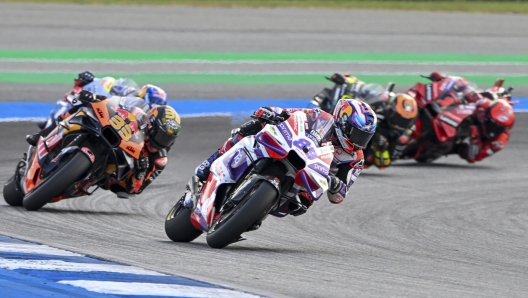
[402, 111]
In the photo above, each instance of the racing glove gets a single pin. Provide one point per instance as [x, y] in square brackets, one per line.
[268, 115]
[141, 166]
[334, 184]
[338, 78]
[336, 190]
[84, 79]
[87, 97]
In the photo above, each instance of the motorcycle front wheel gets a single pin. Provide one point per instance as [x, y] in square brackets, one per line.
[11, 194]
[53, 185]
[231, 223]
[178, 226]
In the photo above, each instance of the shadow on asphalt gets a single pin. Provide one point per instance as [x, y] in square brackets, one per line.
[64, 211]
[231, 247]
[443, 165]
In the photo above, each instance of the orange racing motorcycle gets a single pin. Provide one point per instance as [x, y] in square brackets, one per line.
[97, 143]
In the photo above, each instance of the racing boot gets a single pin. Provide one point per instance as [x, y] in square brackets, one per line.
[301, 205]
[33, 139]
[119, 191]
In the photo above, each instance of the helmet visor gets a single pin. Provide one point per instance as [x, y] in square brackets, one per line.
[399, 122]
[161, 139]
[356, 136]
[493, 129]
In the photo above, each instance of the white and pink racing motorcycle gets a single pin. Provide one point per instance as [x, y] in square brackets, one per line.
[260, 175]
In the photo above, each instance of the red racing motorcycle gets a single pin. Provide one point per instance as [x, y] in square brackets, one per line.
[444, 120]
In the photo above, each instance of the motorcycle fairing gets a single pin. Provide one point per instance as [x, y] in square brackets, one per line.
[125, 123]
[102, 115]
[445, 125]
[275, 142]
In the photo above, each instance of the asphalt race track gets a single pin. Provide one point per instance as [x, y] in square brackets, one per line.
[445, 229]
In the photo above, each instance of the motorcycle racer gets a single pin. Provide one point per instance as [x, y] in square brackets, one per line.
[486, 130]
[489, 131]
[163, 126]
[354, 125]
[107, 86]
[396, 115]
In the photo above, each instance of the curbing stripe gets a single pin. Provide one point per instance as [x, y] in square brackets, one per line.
[34, 270]
[121, 288]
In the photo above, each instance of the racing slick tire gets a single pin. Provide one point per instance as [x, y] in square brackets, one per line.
[424, 160]
[227, 228]
[178, 226]
[11, 194]
[57, 182]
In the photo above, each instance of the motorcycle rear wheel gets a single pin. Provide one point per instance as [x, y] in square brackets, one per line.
[241, 217]
[11, 195]
[57, 182]
[178, 226]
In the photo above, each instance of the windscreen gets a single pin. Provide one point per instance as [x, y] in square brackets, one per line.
[320, 126]
[371, 93]
[137, 107]
[125, 87]
[97, 88]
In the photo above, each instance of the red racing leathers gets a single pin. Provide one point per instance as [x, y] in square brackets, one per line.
[479, 146]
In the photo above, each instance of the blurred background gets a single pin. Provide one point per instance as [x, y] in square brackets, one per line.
[279, 50]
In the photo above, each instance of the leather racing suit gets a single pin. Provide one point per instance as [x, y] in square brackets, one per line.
[344, 170]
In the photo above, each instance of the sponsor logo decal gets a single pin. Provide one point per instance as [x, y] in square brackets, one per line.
[131, 149]
[449, 121]
[285, 131]
[101, 114]
[161, 162]
[429, 92]
[316, 135]
[88, 153]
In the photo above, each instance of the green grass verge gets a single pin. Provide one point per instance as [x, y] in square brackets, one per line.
[260, 57]
[243, 79]
[454, 5]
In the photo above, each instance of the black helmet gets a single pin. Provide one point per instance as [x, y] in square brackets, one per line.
[163, 127]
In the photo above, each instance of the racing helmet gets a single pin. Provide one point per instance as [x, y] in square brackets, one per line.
[107, 83]
[125, 87]
[402, 111]
[153, 95]
[163, 126]
[355, 124]
[497, 118]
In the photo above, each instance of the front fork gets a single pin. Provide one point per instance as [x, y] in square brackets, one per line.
[192, 192]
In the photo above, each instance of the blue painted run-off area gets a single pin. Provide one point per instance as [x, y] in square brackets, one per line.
[186, 107]
[32, 270]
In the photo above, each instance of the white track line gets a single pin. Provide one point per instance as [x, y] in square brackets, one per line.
[153, 289]
[35, 249]
[57, 265]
